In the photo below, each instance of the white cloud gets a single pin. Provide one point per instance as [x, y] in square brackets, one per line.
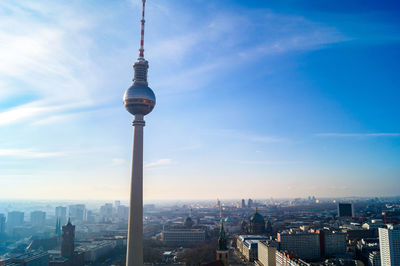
[43, 111]
[357, 135]
[248, 136]
[160, 162]
[51, 119]
[270, 162]
[197, 50]
[47, 60]
[28, 153]
[266, 139]
[118, 161]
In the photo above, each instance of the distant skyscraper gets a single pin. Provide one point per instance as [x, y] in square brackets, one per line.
[77, 212]
[2, 223]
[139, 100]
[345, 210]
[117, 203]
[106, 211]
[389, 243]
[123, 212]
[14, 218]
[38, 218]
[61, 213]
[249, 203]
[58, 227]
[243, 204]
[68, 240]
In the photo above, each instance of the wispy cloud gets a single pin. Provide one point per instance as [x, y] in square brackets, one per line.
[47, 60]
[226, 39]
[357, 135]
[44, 111]
[118, 161]
[28, 153]
[249, 136]
[266, 139]
[160, 162]
[270, 162]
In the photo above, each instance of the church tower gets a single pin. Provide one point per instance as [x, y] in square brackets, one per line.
[222, 251]
[68, 240]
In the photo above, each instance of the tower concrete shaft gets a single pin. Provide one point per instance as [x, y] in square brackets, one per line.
[134, 254]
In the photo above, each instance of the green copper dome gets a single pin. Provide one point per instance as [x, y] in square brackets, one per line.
[256, 218]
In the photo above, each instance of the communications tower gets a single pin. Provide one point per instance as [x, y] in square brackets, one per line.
[139, 100]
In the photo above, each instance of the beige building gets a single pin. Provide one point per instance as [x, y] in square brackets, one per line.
[248, 246]
[266, 253]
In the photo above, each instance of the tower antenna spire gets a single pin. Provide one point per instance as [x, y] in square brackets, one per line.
[141, 49]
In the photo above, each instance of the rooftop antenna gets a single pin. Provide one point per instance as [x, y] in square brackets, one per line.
[141, 50]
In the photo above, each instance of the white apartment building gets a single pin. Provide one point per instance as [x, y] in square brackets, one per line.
[389, 242]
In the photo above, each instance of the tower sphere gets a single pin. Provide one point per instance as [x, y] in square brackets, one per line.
[139, 98]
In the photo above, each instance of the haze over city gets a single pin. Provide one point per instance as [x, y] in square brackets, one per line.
[254, 99]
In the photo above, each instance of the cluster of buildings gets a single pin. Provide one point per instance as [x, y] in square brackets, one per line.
[16, 224]
[68, 251]
[51, 240]
[341, 241]
[293, 232]
[186, 233]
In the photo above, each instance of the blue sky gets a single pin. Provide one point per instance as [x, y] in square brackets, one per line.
[254, 99]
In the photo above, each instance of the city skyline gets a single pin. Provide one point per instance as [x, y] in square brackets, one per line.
[254, 100]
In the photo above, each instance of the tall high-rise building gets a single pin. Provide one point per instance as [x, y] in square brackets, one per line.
[68, 240]
[61, 213]
[77, 212]
[38, 218]
[389, 243]
[14, 218]
[250, 203]
[106, 211]
[123, 212]
[345, 209]
[139, 100]
[218, 203]
[57, 231]
[2, 223]
[243, 205]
